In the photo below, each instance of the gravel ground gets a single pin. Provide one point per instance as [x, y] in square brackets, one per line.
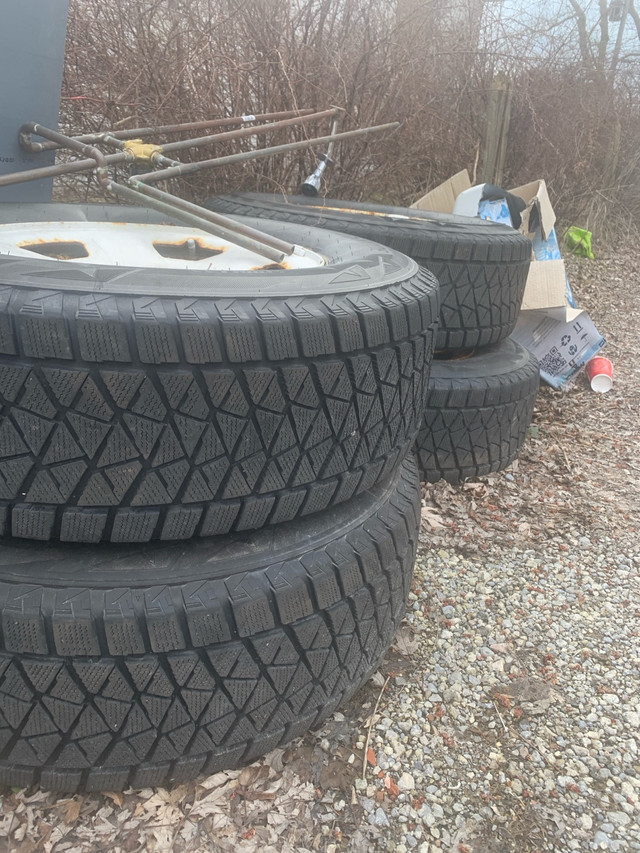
[506, 717]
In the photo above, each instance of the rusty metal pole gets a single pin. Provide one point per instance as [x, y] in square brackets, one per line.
[245, 131]
[215, 218]
[58, 170]
[233, 232]
[69, 142]
[190, 168]
[142, 132]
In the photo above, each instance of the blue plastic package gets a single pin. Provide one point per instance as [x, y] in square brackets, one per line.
[496, 211]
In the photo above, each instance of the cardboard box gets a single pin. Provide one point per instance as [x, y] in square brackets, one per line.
[442, 198]
[536, 199]
[547, 281]
[562, 337]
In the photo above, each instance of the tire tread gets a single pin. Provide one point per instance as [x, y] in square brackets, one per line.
[138, 427]
[482, 267]
[106, 688]
[474, 426]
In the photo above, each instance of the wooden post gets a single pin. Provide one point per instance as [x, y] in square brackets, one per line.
[494, 149]
[612, 152]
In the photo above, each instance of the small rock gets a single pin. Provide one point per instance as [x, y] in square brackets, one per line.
[426, 815]
[452, 694]
[601, 841]
[379, 818]
[368, 805]
[437, 810]
[628, 790]
[406, 782]
[585, 822]
[618, 818]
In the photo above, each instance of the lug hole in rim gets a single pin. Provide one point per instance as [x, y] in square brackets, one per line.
[60, 249]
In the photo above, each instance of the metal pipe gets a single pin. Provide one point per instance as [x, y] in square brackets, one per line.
[332, 144]
[254, 237]
[109, 139]
[140, 132]
[245, 131]
[69, 142]
[194, 221]
[201, 125]
[59, 169]
[75, 143]
[189, 168]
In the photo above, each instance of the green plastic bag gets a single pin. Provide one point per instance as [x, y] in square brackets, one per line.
[578, 242]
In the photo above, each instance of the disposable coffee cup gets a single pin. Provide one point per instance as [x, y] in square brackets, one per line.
[600, 373]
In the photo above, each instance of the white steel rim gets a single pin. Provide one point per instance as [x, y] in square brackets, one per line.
[129, 244]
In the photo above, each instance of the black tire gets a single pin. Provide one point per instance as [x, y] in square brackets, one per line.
[481, 266]
[478, 412]
[137, 405]
[147, 665]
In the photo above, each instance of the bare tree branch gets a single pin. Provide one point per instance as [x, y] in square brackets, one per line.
[635, 16]
[603, 41]
[583, 35]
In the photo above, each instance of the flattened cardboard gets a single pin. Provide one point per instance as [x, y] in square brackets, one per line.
[546, 286]
[562, 340]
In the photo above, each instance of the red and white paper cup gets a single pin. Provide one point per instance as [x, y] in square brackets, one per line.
[600, 373]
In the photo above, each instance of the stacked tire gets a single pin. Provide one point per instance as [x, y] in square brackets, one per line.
[208, 500]
[483, 384]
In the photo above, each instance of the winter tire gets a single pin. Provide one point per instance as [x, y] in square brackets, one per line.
[142, 403]
[150, 664]
[481, 266]
[478, 412]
